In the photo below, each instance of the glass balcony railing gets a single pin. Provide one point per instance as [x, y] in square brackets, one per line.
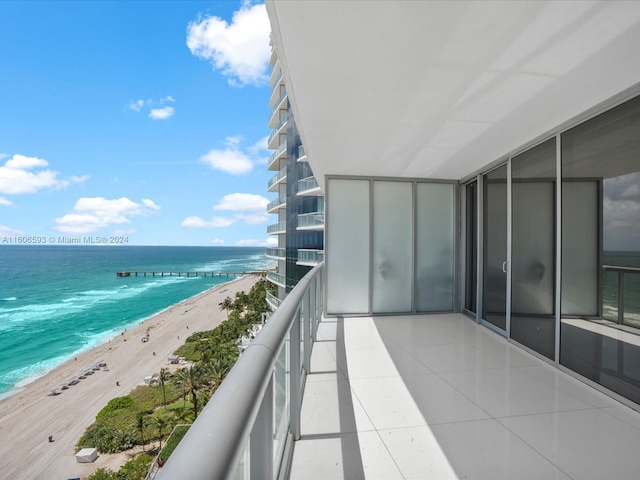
[280, 227]
[277, 278]
[277, 177]
[273, 301]
[277, 130]
[277, 252]
[311, 221]
[310, 257]
[277, 203]
[257, 407]
[280, 150]
[302, 156]
[621, 302]
[307, 184]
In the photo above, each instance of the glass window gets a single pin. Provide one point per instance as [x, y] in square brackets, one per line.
[601, 249]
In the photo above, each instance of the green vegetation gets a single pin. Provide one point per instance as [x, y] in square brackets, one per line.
[135, 468]
[173, 442]
[149, 413]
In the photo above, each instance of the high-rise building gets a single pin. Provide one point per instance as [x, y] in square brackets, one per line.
[299, 204]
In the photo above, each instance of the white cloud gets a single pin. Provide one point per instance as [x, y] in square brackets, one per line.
[4, 201]
[242, 202]
[21, 174]
[217, 241]
[252, 242]
[91, 214]
[260, 151]
[253, 219]
[136, 105]
[166, 99]
[216, 222]
[232, 159]
[9, 232]
[161, 113]
[239, 49]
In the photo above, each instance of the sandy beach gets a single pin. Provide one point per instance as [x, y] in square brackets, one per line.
[28, 418]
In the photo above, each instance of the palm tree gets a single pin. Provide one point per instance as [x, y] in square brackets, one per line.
[189, 381]
[161, 425]
[141, 422]
[226, 304]
[162, 378]
[217, 370]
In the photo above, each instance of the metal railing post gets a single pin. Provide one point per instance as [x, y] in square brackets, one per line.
[261, 439]
[314, 309]
[306, 327]
[295, 395]
[620, 297]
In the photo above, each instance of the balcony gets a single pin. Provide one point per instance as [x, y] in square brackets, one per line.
[276, 75]
[278, 112]
[280, 152]
[310, 258]
[273, 301]
[277, 228]
[311, 221]
[418, 396]
[277, 203]
[302, 156]
[277, 96]
[277, 278]
[276, 252]
[309, 186]
[272, 185]
[275, 135]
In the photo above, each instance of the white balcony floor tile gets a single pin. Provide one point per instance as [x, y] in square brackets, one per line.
[379, 362]
[442, 397]
[586, 444]
[359, 455]
[509, 392]
[481, 449]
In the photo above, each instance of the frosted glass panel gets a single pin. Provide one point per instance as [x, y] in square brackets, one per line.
[392, 246]
[580, 235]
[434, 252]
[347, 246]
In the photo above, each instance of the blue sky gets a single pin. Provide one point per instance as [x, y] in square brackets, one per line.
[146, 120]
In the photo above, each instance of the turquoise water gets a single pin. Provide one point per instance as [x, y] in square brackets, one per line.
[56, 301]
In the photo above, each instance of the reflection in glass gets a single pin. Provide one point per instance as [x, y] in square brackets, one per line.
[494, 298]
[601, 249]
[471, 250]
[533, 186]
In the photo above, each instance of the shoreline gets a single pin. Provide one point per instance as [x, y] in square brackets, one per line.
[105, 338]
[31, 415]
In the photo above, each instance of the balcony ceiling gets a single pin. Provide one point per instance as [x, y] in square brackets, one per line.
[440, 89]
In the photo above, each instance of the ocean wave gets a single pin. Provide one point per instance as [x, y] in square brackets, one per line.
[9, 299]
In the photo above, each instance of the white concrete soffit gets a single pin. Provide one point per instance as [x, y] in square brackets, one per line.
[432, 89]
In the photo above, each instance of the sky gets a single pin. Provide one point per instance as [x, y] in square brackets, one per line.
[139, 122]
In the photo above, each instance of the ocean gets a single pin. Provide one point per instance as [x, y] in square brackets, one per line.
[57, 301]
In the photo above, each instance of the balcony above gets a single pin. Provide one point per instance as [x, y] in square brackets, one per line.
[311, 221]
[277, 278]
[273, 301]
[279, 253]
[276, 75]
[281, 152]
[310, 258]
[277, 96]
[277, 179]
[277, 228]
[302, 156]
[275, 204]
[309, 187]
[274, 138]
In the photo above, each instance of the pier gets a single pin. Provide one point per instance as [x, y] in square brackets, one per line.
[142, 273]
